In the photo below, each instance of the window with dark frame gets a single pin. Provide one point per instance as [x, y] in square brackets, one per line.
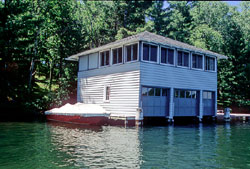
[150, 52]
[157, 91]
[129, 55]
[135, 51]
[196, 61]
[117, 55]
[154, 91]
[183, 59]
[209, 63]
[167, 55]
[188, 94]
[107, 93]
[185, 94]
[182, 93]
[176, 93]
[153, 53]
[114, 56]
[104, 58]
[164, 92]
[151, 91]
[131, 52]
[145, 52]
[193, 94]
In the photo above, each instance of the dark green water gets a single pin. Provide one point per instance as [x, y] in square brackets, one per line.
[55, 145]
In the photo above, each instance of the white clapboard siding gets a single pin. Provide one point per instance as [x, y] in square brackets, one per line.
[83, 63]
[176, 77]
[124, 82]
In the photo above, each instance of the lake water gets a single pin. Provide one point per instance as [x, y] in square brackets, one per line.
[57, 145]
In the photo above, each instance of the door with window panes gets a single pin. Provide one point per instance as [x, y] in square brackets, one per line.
[155, 102]
[208, 103]
[186, 103]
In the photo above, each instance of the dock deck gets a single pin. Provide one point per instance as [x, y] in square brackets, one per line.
[234, 117]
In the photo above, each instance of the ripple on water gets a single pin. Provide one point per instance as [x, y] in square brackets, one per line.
[57, 145]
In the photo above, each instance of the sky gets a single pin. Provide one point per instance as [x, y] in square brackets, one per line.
[233, 3]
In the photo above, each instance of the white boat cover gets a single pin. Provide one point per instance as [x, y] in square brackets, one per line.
[79, 109]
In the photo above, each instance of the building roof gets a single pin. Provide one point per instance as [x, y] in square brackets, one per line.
[148, 37]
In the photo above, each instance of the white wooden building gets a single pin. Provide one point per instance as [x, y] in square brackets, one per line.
[162, 76]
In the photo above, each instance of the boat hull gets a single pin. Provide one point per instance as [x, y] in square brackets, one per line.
[77, 119]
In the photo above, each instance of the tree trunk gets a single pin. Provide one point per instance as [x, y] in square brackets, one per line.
[51, 74]
[61, 60]
[32, 64]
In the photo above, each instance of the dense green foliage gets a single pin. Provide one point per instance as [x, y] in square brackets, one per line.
[36, 36]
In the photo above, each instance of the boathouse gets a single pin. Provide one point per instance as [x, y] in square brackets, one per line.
[146, 72]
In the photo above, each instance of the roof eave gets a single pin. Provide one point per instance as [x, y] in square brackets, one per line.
[71, 58]
[137, 38]
[76, 56]
[183, 48]
[222, 57]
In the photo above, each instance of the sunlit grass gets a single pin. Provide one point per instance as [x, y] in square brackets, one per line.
[44, 83]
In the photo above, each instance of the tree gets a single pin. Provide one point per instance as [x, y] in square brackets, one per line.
[158, 17]
[36, 36]
[216, 28]
[180, 20]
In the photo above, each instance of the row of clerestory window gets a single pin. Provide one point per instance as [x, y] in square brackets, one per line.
[131, 54]
[150, 53]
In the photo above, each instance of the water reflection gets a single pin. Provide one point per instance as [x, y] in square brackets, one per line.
[181, 147]
[108, 147]
[58, 145]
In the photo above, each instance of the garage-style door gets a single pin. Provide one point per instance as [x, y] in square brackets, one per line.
[186, 103]
[155, 101]
[208, 103]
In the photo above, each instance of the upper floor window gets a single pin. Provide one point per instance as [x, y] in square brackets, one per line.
[131, 52]
[210, 63]
[104, 58]
[117, 55]
[183, 59]
[196, 61]
[149, 52]
[167, 56]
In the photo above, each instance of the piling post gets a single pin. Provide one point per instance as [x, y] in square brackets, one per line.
[200, 106]
[227, 114]
[171, 106]
[139, 117]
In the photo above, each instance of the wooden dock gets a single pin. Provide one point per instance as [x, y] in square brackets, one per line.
[234, 117]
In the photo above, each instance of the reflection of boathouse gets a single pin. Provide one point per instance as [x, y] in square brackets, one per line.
[160, 76]
[156, 147]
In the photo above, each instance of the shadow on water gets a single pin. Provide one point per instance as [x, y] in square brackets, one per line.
[161, 121]
[61, 145]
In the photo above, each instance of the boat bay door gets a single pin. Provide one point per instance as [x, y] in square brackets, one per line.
[155, 102]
